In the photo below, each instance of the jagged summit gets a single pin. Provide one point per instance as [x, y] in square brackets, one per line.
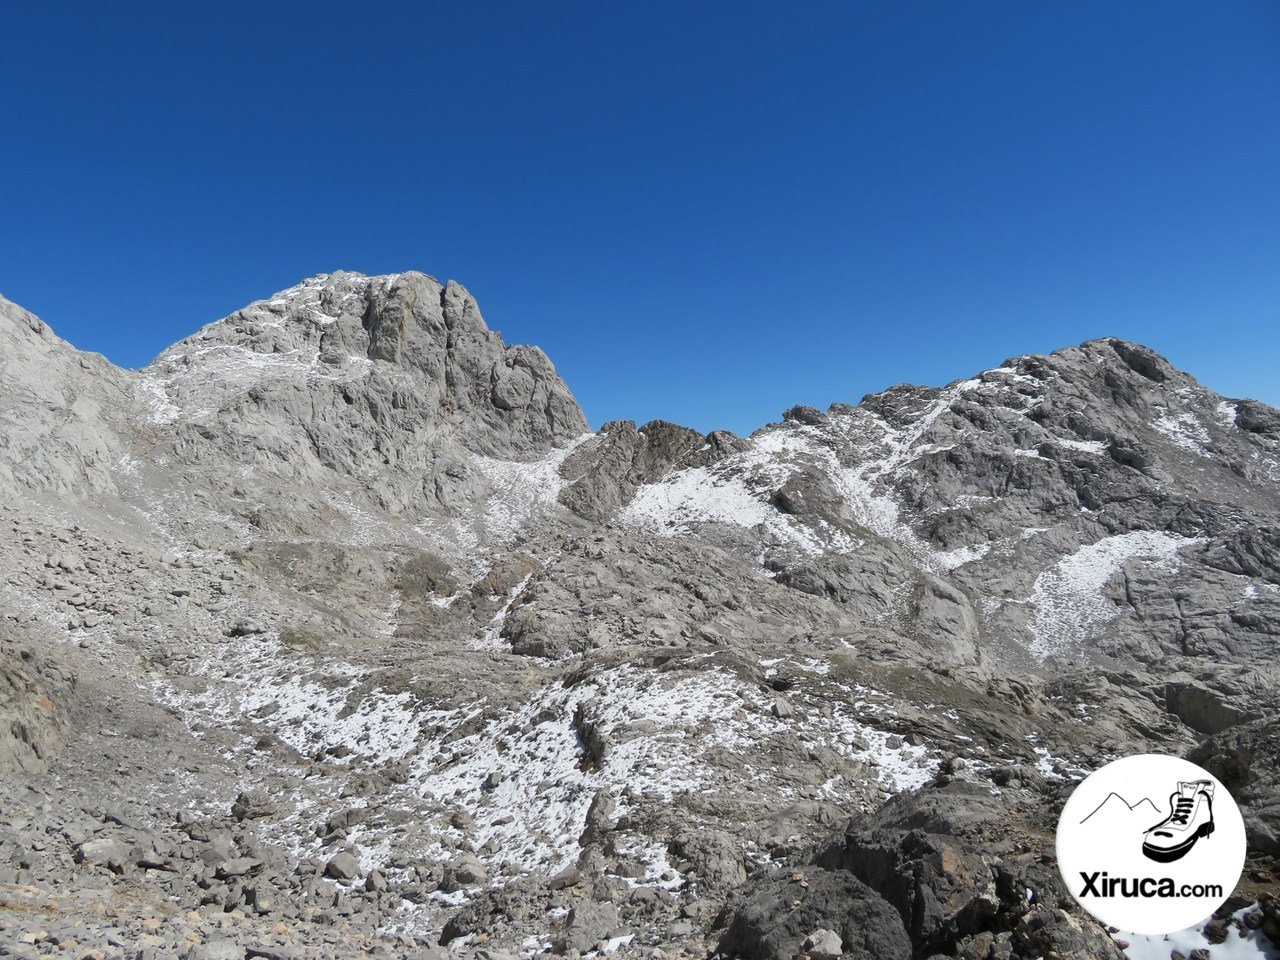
[336, 327]
[392, 382]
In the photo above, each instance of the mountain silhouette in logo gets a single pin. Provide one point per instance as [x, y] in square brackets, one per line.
[1116, 807]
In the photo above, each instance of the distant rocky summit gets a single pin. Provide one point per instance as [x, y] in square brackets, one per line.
[335, 632]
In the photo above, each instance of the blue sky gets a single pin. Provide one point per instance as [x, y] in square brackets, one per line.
[703, 212]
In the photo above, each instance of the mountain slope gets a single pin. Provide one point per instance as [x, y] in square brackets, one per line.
[59, 410]
[1031, 488]
[362, 573]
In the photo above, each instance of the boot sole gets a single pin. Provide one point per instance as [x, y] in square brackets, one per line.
[1169, 854]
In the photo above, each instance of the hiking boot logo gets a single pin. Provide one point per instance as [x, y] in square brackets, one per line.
[1190, 818]
[1144, 866]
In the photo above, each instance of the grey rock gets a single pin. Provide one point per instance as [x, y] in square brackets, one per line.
[589, 922]
[466, 871]
[717, 859]
[268, 951]
[407, 363]
[1247, 761]
[61, 411]
[342, 866]
[823, 945]
[568, 877]
[110, 852]
[774, 916]
[599, 819]
[609, 468]
[238, 867]
[222, 949]
[943, 613]
[36, 687]
[253, 805]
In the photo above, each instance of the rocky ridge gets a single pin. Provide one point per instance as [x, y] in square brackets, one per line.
[335, 632]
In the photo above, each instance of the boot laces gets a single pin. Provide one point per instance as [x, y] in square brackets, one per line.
[1183, 810]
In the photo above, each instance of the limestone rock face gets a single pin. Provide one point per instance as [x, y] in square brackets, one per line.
[911, 882]
[387, 381]
[36, 690]
[61, 420]
[621, 459]
[1246, 758]
[1095, 503]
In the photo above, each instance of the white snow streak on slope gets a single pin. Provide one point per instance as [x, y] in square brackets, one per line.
[307, 714]
[888, 453]
[667, 734]
[951, 559]
[658, 727]
[1186, 431]
[155, 398]
[1159, 947]
[1084, 446]
[738, 490]
[715, 495]
[1069, 604]
[364, 527]
[233, 368]
[491, 636]
[1267, 467]
[522, 491]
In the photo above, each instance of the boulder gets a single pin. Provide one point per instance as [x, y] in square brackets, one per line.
[342, 866]
[588, 923]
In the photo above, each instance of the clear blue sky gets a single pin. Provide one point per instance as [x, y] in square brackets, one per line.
[705, 212]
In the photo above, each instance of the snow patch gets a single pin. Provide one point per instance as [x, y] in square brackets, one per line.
[735, 492]
[951, 559]
[309, 714]
[1084, 446]
[1252, 946]
[491, 636]
[1266, 468]
[1185, 431]
[528, 775]
[155, 397]
[1070, 608]
[521, 491]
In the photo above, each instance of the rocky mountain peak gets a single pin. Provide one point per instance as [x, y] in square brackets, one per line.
[390, 381]
[331, 325]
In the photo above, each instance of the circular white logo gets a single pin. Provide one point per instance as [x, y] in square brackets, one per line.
[1151, 844]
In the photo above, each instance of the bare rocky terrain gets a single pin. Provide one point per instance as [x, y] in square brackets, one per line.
[335, 632]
